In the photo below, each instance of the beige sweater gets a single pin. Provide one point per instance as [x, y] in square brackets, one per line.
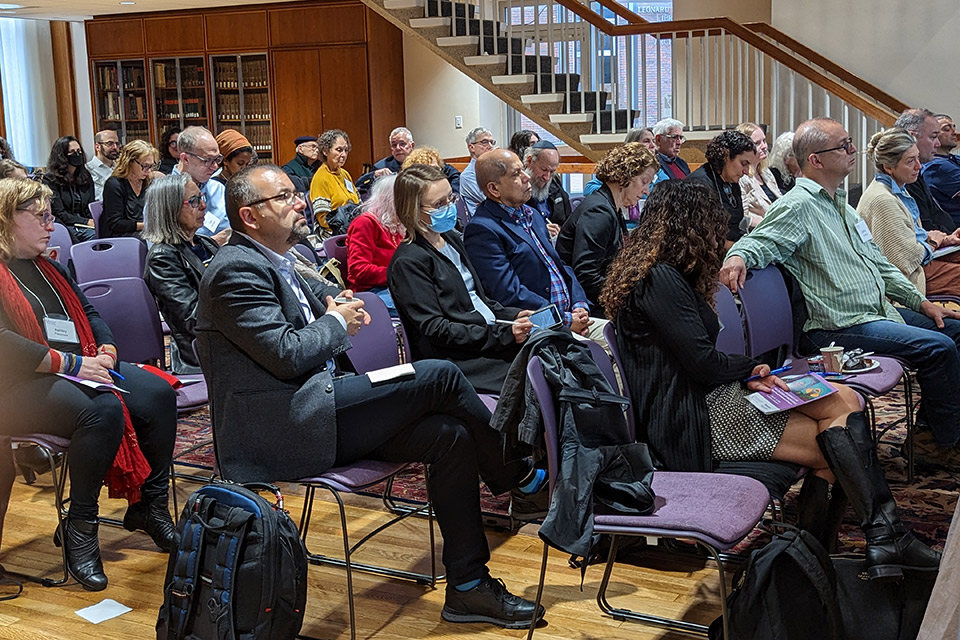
[892, 227]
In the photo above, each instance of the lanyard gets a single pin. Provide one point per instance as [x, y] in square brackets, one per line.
[42, 275]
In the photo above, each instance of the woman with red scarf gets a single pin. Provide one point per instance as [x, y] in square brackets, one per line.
[47, 327]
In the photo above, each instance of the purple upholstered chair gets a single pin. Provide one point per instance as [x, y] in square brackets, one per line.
[109, 258]
[96, 210]
[716, 511]
[610, 335]
[462, 213]
[127, 307]
[336, 247]
[730, 338]
[61, 238]
[307, 252]
[375, 346]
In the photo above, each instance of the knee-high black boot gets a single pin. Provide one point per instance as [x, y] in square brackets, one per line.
[890, 547]
[821, 508]
[83, 552]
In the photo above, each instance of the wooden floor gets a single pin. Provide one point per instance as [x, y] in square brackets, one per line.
[386, 608]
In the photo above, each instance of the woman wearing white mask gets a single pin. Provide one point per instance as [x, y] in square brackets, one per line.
[441, 302]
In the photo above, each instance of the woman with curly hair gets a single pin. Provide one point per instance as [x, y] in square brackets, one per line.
[424, 155]
[593, 234]
[125, 192]
[689, 399]
[729, 157]
[169, 153]
[332, 186]
[72, 186]
[523, 140]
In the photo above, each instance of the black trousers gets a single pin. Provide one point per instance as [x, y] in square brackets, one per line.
[93, 420]
[435, 418]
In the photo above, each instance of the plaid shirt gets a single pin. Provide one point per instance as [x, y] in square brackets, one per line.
[559, 294]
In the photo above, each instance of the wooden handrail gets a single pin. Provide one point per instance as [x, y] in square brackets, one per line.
[622, 11]
[883, 114]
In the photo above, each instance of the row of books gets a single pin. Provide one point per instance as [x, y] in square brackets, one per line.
[165, 75]
[256, 106]
[259, 137]
[138, 131]
[254, 74]
[132, 77]
[188, 108]
[136, 107]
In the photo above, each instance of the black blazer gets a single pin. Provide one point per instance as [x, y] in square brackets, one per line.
[666, 334]
[173, 273]
[122, 208]
[590, 239]
[729, 194]
[440, 319]
[70, 203]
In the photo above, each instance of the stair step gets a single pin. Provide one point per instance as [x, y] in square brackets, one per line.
[474, 27]
[548, 82]
[584, 101]
[444, 8]
[457, 41]
[515, 46]
[514, 79]
[542, 98]
[482, 61]
[572, 118]
[531, 64]
[602, 140]
[623, 120]
[398, 5]
[428, 23]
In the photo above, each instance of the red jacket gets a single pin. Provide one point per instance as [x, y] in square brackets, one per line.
[370, 247]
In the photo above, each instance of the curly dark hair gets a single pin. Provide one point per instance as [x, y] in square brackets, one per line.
[58, 166]
[520, 141]
[328, 138]
[623, 163]
[727, 145]
[6, 152]
[683, 225]
[165, 144]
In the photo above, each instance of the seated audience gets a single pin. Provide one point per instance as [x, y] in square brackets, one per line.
[124, 193]
[521, 141]
[547, 195]
[441, 301]
[271, 343]
[200, 158]
[783, 163]
[823, 244]
[689, 400]
[169, 154]
[237, 153]
[923, 125]
[372, 239]
[729, 157]
[12, 169]
[47, 327]
[479, 141]
[894, 218]
[401, 146]
[668, 135]
[106, 149]
[942, 171]
[332, 187]
[72, 188]
[176, 261]
[758, 188]
[592, 236]
[305, 162]
[645, 137]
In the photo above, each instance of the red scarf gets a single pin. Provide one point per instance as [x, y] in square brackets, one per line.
[130, 468]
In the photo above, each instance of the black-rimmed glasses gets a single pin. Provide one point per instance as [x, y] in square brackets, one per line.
[287, 197]
[194, 201]
[846, 146]
[209, 162]
[146, 167]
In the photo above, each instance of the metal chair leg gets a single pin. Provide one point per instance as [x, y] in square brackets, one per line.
[543, 576]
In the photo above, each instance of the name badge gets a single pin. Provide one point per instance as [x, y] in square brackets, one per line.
[59, 330]
[349, 185]
[864, 231]
[211, 222]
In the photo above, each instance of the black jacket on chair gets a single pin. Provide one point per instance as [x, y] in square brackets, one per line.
[440, 319]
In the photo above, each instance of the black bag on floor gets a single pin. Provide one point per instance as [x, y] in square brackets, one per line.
[238, 570]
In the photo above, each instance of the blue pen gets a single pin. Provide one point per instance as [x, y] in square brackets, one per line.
[116, 374]
[775, 372]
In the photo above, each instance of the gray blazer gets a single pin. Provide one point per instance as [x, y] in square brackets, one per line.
[271, 393]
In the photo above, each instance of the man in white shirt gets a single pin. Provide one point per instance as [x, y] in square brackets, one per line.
[479, 141]
[107, 148]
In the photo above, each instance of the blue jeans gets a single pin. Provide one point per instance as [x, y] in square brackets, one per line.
[933, 352]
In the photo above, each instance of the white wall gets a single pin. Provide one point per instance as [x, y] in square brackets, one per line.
[436, 93]
[81, 73]
[907, 48]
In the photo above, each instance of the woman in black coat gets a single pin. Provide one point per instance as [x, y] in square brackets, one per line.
[689, 399]
[438, 295]
[72, 187]
[124, 193]
[176, 261]
[729, 157]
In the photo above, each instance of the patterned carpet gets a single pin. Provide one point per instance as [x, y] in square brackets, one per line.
[927, 505]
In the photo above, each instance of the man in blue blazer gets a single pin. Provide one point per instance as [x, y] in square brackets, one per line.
[510, 248]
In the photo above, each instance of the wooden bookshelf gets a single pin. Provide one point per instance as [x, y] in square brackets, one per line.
[121, 98]
[241, 98]
[179, 92]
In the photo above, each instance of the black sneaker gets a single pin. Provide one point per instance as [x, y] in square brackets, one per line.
[489, 602]
[530, 506]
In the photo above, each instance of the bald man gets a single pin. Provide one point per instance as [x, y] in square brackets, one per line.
[106, 145]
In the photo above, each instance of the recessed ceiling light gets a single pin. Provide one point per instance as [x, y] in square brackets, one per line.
[11, 6]
[128, 3]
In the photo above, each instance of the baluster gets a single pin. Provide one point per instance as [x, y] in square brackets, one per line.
[741, 86]
[688, 59]
[723, 79]
[793, 101]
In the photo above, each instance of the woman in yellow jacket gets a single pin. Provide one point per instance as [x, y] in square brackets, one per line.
[332, 186]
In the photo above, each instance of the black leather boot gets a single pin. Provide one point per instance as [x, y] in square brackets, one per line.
[153, 517]
[891, 549]
[83, 552]
[821, 509]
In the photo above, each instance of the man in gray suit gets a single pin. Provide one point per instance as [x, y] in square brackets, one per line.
[270, 344]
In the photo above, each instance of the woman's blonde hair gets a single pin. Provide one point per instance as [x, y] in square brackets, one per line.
[623, 163]
[747, 129]
[424, 155]
[888, 146]
[15, 194]
[134, 150]
[408, 196]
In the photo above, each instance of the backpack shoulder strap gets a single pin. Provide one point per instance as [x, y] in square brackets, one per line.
[815, 563]
[186, 571]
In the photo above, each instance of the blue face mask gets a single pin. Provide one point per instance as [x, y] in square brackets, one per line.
[443, 219]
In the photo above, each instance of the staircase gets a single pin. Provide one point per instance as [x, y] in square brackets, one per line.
[589, 71]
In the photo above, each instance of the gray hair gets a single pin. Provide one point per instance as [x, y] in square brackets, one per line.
[164, 202]
[380, 204]
[782, 149]
[663, 127]
[189, 138]
[328, 138]
[636, 133]
[532, 154]
[472, 136]
[809, 137]
[241, 191]
[888, 146]
[912, 120]
[404, 131]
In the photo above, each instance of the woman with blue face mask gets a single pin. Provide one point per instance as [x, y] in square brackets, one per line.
[442, 305]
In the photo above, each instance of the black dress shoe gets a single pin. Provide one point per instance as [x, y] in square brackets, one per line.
[83, 552]
[154, 518]
[489, 602]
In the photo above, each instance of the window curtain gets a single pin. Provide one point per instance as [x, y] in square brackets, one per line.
[29, 93]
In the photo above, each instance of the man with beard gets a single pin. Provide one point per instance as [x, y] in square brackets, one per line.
[271, 346]
[106, 144]
[546, 191]
[923, 126]
[942, 171]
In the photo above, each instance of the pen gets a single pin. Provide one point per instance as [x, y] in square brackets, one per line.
[499, 321]
[116, 374]
[775, 372]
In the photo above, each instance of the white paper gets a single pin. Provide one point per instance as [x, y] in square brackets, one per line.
[390, 373]
[103, 610]
[946, 251]
[211, 222]
[93, 384]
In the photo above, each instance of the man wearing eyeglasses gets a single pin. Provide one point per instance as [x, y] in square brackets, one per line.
[107, 147]
[271, 346]
[668, 135]
[401, 144]
[941, 171]
[846, 282]
[479, 141]
[200, 158]
[924, 127]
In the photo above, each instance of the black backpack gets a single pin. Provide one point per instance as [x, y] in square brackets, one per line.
[238, 570]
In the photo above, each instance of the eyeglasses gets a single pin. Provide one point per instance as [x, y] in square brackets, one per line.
[674, 136]
[400, 144]
[145, 167]
[194, 201]
[452, 199]
[287, 197]
[487, 142]
[109, 143]
[44, 217]
[209, 162]
[846, 146]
